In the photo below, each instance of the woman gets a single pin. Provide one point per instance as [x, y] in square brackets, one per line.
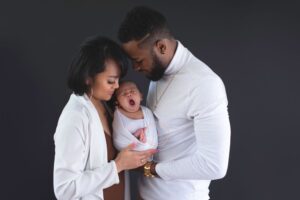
[86, 164]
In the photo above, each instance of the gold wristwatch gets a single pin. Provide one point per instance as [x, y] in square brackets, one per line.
[147, 170]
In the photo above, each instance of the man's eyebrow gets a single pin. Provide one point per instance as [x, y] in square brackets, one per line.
[114, 76]
[137, 59]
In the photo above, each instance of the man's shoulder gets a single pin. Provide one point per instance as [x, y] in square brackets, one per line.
[197, 67]
[199, 75]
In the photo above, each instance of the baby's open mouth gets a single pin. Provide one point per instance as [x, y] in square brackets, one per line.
[131, 102]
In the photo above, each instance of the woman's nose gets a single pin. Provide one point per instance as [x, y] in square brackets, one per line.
[116, 85]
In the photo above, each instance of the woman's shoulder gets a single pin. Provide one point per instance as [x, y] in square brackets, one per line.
[74, 118]
[75, 110]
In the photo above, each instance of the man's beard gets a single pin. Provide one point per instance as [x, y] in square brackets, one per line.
[158, 69]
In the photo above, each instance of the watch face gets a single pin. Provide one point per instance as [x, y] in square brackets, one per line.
[147, 170]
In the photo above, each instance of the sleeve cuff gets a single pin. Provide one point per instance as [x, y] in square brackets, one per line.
[115, 172]
[159, 168]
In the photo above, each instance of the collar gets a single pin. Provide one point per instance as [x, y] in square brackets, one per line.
[179, 59]
[84, 100]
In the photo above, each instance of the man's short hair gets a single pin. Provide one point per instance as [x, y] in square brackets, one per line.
[142, 22]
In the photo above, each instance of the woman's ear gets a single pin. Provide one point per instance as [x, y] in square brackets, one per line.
[88, 81]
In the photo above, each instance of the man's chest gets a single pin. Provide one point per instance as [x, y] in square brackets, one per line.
[169, 105]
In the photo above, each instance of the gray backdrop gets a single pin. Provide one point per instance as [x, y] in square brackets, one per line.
[252, 45]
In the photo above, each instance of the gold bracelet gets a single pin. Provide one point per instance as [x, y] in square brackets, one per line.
[147, 172]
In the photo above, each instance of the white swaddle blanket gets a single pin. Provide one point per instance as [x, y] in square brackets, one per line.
[123, 137]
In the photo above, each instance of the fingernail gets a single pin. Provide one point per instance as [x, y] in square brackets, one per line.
[154, 150]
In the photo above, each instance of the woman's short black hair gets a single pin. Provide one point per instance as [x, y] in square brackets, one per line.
[90, 61]
[141, 21]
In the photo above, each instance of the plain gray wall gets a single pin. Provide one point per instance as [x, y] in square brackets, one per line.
[253, 46]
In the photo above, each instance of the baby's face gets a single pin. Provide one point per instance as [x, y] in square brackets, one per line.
[129, 97]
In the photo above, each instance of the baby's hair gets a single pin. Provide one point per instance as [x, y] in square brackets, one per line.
[127, 81]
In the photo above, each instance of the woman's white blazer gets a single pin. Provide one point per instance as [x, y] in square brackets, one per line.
[81, 170]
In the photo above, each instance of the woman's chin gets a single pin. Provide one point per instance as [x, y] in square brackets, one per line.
[107, 98]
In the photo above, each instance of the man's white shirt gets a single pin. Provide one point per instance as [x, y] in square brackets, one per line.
[193, 130]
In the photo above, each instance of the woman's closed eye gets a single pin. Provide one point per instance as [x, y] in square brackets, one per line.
[111, 82]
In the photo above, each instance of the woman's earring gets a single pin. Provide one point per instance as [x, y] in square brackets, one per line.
[91, 94]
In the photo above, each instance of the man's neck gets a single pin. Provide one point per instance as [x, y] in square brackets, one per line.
[173, 47]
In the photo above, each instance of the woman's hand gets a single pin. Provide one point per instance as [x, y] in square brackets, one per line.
[130, 159]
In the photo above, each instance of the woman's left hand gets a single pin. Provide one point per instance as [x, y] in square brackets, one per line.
[131, 159]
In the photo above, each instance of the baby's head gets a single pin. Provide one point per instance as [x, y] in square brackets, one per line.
[128, 96]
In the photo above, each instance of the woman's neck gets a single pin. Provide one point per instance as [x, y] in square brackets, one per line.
[98, 105]
[103, 115]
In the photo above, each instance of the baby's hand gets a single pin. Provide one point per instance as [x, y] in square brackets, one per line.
[141, 134]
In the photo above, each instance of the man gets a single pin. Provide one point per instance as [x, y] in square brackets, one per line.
[190, 106]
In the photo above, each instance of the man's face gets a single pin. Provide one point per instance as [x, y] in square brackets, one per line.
[145, 60]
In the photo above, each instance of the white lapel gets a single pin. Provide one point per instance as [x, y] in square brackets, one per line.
[98, 147]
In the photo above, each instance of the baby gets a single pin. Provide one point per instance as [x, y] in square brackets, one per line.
[132, 121]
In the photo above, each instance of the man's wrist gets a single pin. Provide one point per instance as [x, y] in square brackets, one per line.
[149, 170]
[153, 169]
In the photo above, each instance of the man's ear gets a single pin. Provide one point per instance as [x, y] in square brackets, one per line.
[161, 46]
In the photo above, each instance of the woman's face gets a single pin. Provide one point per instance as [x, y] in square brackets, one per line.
[105, 83]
